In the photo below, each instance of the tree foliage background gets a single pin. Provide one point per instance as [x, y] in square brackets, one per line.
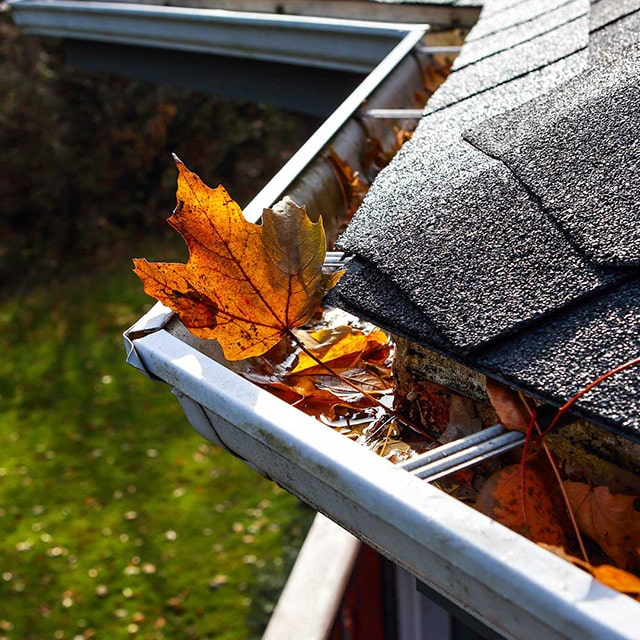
[86, 162]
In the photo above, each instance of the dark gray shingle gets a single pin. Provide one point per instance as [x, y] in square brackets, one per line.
[605, 12]
[572, 349]
[511, 64]
[507, 14]
[364, 287]
[437, 154]
[578, 151]
[605, 41]
[455, 250]
[551, 362]
[510, 37]
[482, 259]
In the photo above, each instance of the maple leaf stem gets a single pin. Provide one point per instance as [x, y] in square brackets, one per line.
[565, 498]
[355, 387]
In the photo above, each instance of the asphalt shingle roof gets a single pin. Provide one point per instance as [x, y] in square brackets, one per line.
[510, 36]
[604, 12]
[506, 234]
[515, 15]
[582, 164]
[508, 65]
[612, 31]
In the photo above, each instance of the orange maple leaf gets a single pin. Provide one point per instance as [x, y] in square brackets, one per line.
[609, 519]
[245, 285]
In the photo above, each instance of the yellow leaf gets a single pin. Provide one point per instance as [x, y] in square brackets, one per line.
[329, 345]
[618, 579]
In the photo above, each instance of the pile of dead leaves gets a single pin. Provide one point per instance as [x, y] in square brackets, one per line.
[345, 363]
[529, 501]
[252, 287]
[591, 527]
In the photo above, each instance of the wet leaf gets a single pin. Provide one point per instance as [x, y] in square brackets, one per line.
[361, 354]
[610, 520]
[341, 346]
[501, 499]
[244, 285]
[435, 74]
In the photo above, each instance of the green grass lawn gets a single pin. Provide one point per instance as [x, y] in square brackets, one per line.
[116, 519]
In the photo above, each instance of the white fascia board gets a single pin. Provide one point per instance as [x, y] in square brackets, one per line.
[310, 600]
[347, 45]
[512, 585]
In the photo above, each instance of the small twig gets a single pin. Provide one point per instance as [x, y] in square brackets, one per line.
[355, 387]
[534, 424]
[386, 439]
[565, 407]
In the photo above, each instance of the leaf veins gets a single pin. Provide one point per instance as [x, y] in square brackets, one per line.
[245, 285]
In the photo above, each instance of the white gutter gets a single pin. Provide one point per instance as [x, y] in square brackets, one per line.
[330, 43]
[276, 187]
[510, 584]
